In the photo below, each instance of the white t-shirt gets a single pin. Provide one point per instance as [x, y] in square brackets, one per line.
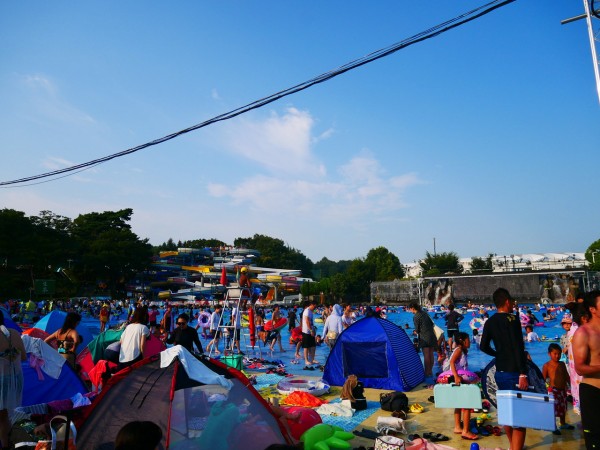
[130, 341]
[238, 318]
[215, 317]
[532, 336]
[307, 313]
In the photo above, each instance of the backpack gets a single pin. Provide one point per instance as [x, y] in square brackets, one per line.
[394, 401]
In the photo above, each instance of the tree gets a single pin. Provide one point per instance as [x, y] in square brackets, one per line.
[386, 265]
[441, 264]
[592, 254]
[480, 265]
[110, 253]
[275, 253]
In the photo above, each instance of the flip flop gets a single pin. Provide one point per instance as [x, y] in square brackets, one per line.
[483, 431]
[415, 408]
[497, 431]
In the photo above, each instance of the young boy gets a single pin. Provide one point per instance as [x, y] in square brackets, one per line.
[532, 336]
[555, 372]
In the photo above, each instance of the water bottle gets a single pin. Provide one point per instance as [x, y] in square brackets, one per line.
[474, 446]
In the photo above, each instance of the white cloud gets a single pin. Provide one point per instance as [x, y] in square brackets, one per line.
[46, 99]
[281, 143]
[215, 94]
[294, 182]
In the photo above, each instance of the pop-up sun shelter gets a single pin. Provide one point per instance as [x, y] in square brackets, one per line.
[197, 402]
[379, 353]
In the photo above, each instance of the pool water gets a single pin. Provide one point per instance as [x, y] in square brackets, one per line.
[477, 359]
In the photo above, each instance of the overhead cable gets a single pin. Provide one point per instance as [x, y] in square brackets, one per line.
[378, 54]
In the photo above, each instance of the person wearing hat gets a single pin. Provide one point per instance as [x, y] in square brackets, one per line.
[244, 280]
[566, 323]
[104, 316]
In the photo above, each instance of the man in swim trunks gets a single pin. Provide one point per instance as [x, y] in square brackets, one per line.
[586, 354]
[309, 344]
[504, 330]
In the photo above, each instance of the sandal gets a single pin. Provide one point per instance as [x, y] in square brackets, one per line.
[435, 437]
[497, 431]
[415, 408]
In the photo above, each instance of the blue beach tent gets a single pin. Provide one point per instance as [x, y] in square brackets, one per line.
[379, 353]
[55, 319]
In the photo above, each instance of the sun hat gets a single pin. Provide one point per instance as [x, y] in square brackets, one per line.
[566, 320]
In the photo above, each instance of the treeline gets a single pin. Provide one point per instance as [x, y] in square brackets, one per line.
[99, 254]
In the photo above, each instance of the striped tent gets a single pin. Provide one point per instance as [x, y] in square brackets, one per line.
[379, 353]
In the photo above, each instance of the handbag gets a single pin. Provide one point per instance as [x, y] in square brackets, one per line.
[389, 443]
[394, 401]
[52, 444]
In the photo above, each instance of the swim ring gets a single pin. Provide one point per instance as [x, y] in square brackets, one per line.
[204, 319]
[280, 324]
[540, 324]
[292, 384]
[476, 323]
[318, 320]
[465, 375]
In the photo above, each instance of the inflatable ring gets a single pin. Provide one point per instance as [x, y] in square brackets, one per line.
[476, 323]
[540, 324]
[465, 375]
[289, 385]
[279, 325]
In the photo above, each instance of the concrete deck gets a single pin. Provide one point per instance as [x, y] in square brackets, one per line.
[442, 421]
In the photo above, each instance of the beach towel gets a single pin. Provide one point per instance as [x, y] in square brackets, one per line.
[300, 398]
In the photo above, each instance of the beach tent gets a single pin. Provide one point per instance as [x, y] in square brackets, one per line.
[46, 375]
[97, 350]
[378, 352]
[55, 319]
[197, 402]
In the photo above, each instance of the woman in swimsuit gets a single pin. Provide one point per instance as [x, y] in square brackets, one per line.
[67, 338]
[12, 352]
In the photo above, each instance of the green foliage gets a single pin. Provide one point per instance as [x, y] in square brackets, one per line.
[592, 254]
[275, 253]
[111, 254]
[385, 264]
[441, 264]
[481, 265]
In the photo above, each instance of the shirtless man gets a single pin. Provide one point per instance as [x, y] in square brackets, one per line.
[586, 355]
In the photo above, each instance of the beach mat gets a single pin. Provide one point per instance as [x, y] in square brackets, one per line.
[350, 423]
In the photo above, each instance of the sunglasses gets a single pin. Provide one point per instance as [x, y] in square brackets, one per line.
[181, 323]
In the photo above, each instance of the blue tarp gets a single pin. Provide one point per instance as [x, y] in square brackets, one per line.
[55, 319]
[379, 353]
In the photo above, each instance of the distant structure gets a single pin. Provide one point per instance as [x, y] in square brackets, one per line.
[545, 278]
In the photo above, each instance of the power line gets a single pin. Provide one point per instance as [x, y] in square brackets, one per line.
[378, 54]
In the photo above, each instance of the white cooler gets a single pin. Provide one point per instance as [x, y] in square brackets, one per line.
[526, 409]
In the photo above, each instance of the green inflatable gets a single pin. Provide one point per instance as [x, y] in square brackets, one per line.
[326, 437]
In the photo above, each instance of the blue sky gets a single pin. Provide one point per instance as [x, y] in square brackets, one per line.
[484, 138]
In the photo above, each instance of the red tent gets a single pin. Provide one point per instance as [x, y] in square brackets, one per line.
[197, 403]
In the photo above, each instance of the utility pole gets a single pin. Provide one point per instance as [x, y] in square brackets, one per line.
[434, 253]
[588, 16]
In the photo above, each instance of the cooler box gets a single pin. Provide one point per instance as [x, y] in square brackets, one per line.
[234, 361]
[466, 396]
[526, 409]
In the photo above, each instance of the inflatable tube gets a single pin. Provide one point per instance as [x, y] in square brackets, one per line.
[307, 418]
[313, 387]
[476, 323]
[540, 324]
[465, 375]
[280, 324]
[204, 319]
[524, 319]
[251, 326]
[318, 320]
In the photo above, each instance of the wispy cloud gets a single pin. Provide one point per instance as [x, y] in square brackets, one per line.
[46, 99]
[215, 94]
[295, 182]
